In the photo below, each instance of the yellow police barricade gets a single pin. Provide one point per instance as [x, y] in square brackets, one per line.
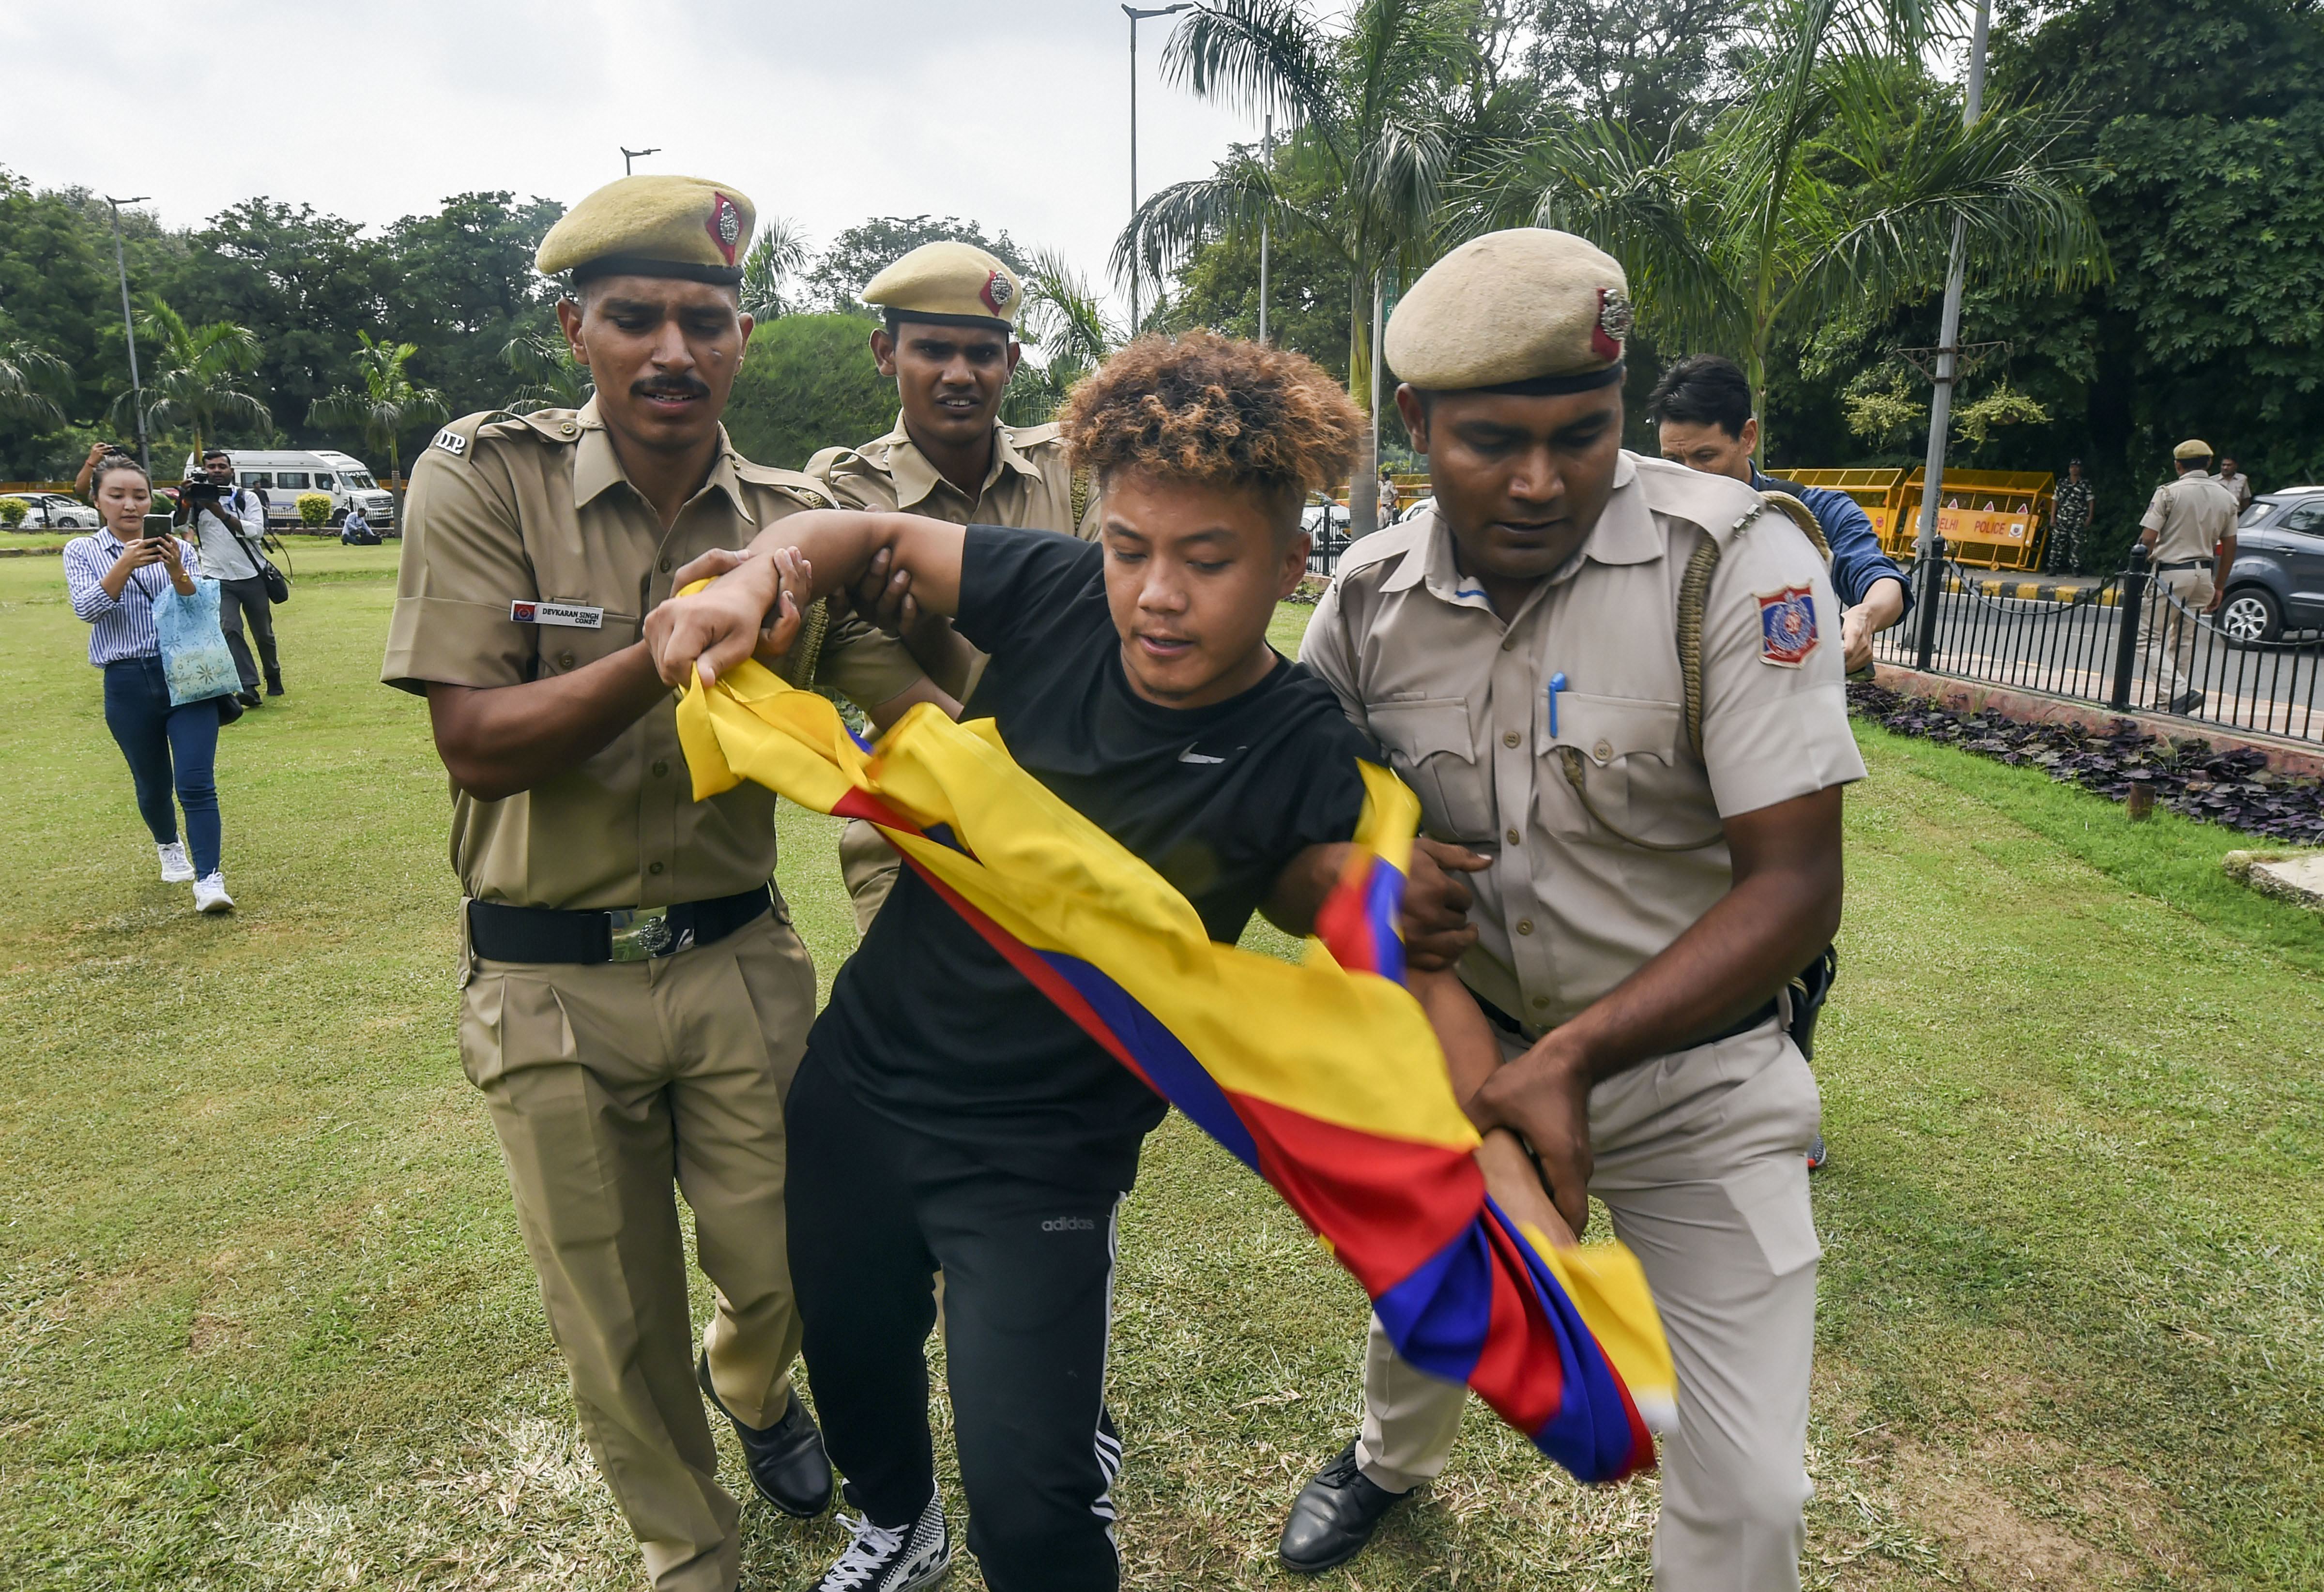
[1989, 519]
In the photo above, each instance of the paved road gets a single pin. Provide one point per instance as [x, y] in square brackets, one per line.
[2068, 649]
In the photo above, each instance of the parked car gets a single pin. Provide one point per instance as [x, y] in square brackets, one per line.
[49, 511]
[2277, 582]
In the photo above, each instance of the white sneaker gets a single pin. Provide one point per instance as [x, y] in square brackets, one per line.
[177, 868]
[209, 894]
[883, 1560]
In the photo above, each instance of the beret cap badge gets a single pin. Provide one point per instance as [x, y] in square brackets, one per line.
[725, 226]
[1615, 315]
[997, 293]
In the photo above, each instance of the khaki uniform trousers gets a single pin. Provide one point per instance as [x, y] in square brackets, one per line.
[868, 867]
[2174, 629]
[603, 1082]
[1702, 1159]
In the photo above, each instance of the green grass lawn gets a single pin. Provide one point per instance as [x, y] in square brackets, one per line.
[265, 1320]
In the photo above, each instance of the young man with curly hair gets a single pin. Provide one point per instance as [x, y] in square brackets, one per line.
[946, 1116]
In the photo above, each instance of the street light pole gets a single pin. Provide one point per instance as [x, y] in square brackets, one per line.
[1267, 144]
[1137, 17]
[1929, 549]
[129, 329]
[631, 154]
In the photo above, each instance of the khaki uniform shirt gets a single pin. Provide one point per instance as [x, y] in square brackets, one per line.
[1029, 485]
[2190, 517]
[2240, 484]
[538, 509]
[1459, 702]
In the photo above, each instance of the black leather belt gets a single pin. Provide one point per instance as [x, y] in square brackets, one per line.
[2185, 563]
[501, 933]
[1510, 1026]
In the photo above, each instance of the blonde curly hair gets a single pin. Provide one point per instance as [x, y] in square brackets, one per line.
[1212, 409]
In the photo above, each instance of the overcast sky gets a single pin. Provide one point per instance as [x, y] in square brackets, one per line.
[826, 111]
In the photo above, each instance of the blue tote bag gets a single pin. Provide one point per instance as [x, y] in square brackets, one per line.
[193, 646]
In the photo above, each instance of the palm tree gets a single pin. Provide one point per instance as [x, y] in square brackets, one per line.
[1827, 189]
[389, 404]
[553, 379]
[27, 375]
[1379, 129]
[195, 386]
[1065, 320]
[781, 254]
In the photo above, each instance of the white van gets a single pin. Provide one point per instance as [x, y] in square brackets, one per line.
[283, 475]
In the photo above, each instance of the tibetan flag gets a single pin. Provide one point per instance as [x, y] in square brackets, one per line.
[1323, 1077]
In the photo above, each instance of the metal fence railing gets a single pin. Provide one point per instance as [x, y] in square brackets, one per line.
[2127, 642]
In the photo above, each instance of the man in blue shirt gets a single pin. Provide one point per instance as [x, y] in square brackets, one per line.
[1702, 409]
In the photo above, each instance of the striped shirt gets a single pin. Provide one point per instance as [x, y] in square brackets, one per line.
[122, 629]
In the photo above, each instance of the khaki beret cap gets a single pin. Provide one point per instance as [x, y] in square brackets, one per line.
[1528, 307]
[2192, 448]
[653, 225]
[949, 283]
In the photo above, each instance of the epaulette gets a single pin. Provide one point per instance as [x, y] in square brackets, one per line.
[460, 437]
[1048, 433]
[1388, 542]
[798, 484]
[1718, 505]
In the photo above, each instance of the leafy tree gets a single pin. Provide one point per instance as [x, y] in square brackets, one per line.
[27, 376]
[781, 254]
[1066, 322]
[863, 251]
[1381, 117]
[463, 285]
[1828, 188]
[387, 405]
[194, 383]
[1649, 66]
[807, 383]
[553, 379]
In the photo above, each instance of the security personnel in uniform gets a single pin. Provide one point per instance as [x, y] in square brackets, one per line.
[635, 998]
[949, 338]
[2190, 532]
[1617, 681]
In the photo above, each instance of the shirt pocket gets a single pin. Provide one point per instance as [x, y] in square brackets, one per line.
[566, 647]
[1431, 747]
[1623, 750]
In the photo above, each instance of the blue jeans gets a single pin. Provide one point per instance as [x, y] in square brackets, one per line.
[167, 746]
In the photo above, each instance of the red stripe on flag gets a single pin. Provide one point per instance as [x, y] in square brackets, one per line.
[1398, 1204]
[1518, 1370]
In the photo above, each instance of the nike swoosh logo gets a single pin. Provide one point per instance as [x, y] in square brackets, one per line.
[1191, 756]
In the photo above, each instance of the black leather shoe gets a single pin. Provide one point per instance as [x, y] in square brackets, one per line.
[248, 698]
[1333, 1516]
[785, 1460]
[274, 684]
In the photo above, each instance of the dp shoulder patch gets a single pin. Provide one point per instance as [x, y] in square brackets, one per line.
[451, 442]
[1787, 626]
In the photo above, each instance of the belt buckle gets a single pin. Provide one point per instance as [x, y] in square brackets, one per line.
[642, 934]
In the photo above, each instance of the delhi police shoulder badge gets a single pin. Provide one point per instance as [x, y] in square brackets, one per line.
[1787, 626]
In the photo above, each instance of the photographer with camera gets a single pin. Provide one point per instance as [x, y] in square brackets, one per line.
[228, 522]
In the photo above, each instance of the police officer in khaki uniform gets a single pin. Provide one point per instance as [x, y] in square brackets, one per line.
[634, 1000]
[1617, 681]
[2190, 532]
[950, 341]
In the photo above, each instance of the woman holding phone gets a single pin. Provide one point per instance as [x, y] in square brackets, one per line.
[114, 575]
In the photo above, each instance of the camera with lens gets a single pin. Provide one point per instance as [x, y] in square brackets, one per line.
[201, 491]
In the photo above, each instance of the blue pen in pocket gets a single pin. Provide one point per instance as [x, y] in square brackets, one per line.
[1556, 685]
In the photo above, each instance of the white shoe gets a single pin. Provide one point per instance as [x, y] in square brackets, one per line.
[177, 868]
[883, 1560]
[209, 894]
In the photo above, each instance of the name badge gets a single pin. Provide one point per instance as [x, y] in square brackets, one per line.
[558, 613]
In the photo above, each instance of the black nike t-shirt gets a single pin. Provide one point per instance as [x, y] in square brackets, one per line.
[930, 1025]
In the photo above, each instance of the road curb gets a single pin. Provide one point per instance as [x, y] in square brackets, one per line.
[2284, 755]
[2094, 594]
[29, 552]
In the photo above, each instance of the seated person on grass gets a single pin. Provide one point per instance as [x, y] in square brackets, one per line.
[946, 1116]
